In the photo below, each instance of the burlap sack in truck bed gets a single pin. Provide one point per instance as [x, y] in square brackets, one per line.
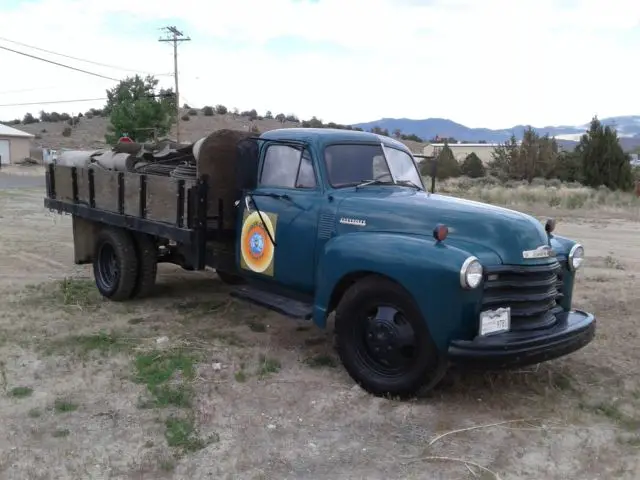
[229, 158]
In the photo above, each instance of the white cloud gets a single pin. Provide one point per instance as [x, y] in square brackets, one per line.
[490, 63]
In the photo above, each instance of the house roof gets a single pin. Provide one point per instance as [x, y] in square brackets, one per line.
[7, 131]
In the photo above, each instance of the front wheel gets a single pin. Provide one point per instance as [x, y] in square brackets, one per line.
[115, 264]
[383, 340]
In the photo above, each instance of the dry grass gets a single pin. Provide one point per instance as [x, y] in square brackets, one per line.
[551, 195]
[192, 384]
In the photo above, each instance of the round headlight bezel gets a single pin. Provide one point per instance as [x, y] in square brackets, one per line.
[465, 270]
[572, 256]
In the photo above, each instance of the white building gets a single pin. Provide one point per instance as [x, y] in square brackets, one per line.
[14, 144]
[461, 150]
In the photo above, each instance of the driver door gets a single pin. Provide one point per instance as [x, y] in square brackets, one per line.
[278, 225]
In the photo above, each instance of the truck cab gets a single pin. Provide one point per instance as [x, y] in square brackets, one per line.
[417, 280]
[311, 222]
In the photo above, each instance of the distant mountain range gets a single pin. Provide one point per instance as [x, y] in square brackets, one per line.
[628, 128]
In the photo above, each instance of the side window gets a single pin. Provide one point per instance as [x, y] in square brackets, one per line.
[284, 166]
[306, 175]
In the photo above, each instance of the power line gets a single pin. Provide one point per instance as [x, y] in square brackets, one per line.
[80, 59]
[52, 102]
[175, 39]
[59, 64]
[77, 100]
[22, 90]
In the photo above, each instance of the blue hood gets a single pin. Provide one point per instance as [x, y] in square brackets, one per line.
[493, 234]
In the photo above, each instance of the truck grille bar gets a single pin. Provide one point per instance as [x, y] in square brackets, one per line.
[532, 292]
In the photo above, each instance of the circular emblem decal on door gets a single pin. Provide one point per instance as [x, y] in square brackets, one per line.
[256, 247]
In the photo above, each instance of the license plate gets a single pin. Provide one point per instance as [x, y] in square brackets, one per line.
[495, 321]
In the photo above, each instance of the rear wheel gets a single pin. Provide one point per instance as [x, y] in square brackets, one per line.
[147, 252]
[115, 264]
[383, 340]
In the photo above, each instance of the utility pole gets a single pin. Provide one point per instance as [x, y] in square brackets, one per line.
[176, 37]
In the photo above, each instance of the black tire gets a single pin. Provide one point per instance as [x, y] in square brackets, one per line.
[230, 278]
[115, 264]
[362, 327]
[147, 265]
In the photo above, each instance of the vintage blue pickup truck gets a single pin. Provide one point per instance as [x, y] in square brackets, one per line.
[313, 221]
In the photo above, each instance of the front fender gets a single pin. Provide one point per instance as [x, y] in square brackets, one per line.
[428, 270]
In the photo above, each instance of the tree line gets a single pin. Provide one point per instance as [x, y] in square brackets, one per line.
[598, 160]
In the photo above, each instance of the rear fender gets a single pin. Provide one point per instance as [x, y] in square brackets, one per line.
[428, 270]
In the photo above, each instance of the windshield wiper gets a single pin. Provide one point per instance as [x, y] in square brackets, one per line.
[408, 183]
[375, 181]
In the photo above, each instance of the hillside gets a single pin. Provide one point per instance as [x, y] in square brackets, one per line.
[628, 128]
[90, 132]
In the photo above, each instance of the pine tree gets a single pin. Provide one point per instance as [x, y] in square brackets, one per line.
[472, 166]
[603, 160]
[447, 165]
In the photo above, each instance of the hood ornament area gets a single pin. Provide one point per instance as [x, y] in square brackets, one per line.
[543, 251]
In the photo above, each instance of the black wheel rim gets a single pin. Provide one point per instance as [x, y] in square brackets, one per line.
[108, 266]
[385, 341]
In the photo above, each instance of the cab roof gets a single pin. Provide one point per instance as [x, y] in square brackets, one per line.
[324, 136]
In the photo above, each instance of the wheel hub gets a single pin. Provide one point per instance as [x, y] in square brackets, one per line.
[389, 339]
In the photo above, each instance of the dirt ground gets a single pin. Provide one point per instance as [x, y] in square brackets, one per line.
[191, 384]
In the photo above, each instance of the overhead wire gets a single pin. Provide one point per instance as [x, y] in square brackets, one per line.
[59, 64]
[52, 102]
[115, 67]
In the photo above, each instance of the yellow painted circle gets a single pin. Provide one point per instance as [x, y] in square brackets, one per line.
[255, 245]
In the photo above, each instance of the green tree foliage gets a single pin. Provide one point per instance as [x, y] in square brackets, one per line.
[447, 165]
[28, 119]
[472, 166]
[208, 111]
[568, 167]
[250, 114]
[136, 109]
[221, 109]
[603, 160]
[281, 117]
[268, 115]
[534, 157]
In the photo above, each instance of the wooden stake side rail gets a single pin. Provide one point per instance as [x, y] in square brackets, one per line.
[174, 209]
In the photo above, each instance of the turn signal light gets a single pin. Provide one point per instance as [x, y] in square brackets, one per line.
[440, 232]
[550, 226]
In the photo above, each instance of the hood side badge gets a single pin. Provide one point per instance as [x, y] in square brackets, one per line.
[353, 221]
[543, 251]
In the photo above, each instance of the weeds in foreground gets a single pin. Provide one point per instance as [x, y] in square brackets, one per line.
[181, 433]
[268, 365]
[64, 406]
[20, 392]
[321, 361]
[156, 368]
[102, 342]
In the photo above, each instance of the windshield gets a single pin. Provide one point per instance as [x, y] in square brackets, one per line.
[349, 165]
[402, 166]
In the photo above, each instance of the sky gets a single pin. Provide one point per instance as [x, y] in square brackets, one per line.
[482, 63]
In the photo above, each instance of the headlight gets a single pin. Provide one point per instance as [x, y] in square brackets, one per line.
[576, 256]
[471, 273]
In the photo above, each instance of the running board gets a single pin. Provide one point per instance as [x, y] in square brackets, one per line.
[277, 303]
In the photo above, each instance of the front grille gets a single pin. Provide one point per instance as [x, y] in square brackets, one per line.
[532, 292]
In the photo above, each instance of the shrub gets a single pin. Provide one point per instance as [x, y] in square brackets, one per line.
[185, 118]
[472, 166]
[221, 109]
[66, 132]
[207, 111]
[193, 112]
